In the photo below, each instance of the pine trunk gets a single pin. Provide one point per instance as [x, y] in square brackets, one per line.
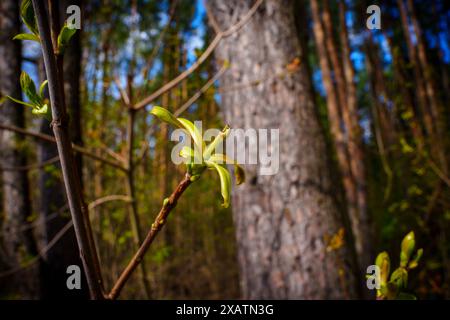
[284, 222]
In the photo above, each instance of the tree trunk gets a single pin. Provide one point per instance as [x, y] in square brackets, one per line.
[285, 222]
[19, 245]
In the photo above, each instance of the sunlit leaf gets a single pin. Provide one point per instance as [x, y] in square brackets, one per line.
[415, 260]
[42, 87]
[400, 277]
[407, 248]
[193, 132]
[27, 36]
[28, 17]
[384, 263]
[239, 172]
[64, 37]
[217, 140]
[40, 111]
[166, 116]
[225, 182]
[20, 102]
[29, 89]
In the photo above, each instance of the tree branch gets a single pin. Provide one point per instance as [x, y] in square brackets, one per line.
[160, 220]
[113, 197]
[31, 166]
[75, 147]
[219, 36]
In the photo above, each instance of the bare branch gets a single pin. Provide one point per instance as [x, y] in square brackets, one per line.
[122, 92]
[32, 166]
[51, 139]
[160, 220]
[114, 197]
[212, 20]
[212, 46]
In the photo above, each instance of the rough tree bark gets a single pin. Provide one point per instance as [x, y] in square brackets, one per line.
[19, 244]
[284, 222]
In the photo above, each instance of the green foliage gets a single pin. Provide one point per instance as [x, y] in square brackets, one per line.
[203, 156]
[28, 17]
[64, 37]
[27, 36]
[398, 281]
[38, 103]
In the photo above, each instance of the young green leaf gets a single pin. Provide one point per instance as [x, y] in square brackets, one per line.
[64, 37]
[415, 260]
[42, 87]
[40, 111]
[383, 262]
[225, 182]
[400, 277]
[27, 36]
[218, 139]
[194, 133]
[20, 102]
[165, 116]
[238, 170]
[407, 248]
[29, 89]
[28, 17]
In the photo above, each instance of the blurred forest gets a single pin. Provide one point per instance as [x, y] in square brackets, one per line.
[364, 147]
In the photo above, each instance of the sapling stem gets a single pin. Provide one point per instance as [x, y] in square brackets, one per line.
[161, 218]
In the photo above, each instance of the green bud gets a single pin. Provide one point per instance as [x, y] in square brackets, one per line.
[383, 262]
[407, 247]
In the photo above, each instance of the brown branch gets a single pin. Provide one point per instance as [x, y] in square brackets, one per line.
[41, 253]
[122, 92]
[212, 46]
[160, 220]
[32, 166]
[51, 139]
[202, 90]
[212, 20]
[159, 41]
[78, 211]
[114, 197]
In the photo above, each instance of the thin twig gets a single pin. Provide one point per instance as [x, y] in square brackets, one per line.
[212, 46]
[32, 166]
[41, 253]
[212, 20]
[51, 139]
[113, 197]
[160, 220]
[159, 41]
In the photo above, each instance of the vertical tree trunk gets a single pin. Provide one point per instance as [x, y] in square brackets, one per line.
[355, 146]
[284, 222]
[20, 245]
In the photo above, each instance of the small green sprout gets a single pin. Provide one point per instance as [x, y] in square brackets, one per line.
[203, 156]
[29, 18]
[393, 289]
[38, 103]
